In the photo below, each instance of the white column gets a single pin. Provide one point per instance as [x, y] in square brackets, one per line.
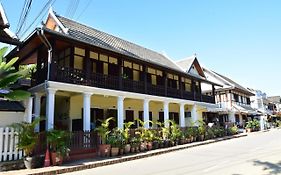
[194, 116]
[166, 113]
[231, 116]
[87, 111]
[37, 109]
[146, 112]
[50, 108]
[182, 119]
[261, 122]
[29, 110]
[120, 113]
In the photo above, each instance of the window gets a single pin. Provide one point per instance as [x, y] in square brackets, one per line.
[64, 58]
[186, 84]
[94, 55]
[236, 97]
[155, 77]
[132, 71]
[78, 62]
[196, 87]
[173, 81]
[79, 55]
[104, 64]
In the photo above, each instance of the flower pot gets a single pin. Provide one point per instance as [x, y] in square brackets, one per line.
[142, 147]
[104, 150]
[114, 151]
[133, 149]
[149, 146]
[28, 162]
[137, 149]
[248, 129]
[155, 145]
[127, 148]
[121, 151]
[56, 158]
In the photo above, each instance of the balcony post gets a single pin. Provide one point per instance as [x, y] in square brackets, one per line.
[120, 61]
[166, 83]
[200, 90]
[146, 112]
[145, 78]
[87, 111]
[50, 108]
[120, 112]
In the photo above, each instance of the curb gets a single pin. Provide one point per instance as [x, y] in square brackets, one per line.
[61, 169]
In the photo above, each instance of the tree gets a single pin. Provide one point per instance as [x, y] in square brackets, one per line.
[8, 76]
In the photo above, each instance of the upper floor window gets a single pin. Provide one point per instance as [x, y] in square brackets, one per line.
[64, 58]
[104, 64]
[155, 77]
[79, 55]
[173, 81]
[186, 82]
[197, 87]
[236, 97]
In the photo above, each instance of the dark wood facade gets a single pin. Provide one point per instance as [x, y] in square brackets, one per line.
[78, 63]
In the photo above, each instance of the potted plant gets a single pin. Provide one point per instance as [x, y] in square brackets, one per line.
[115, 141]
[103, 132]
[58, 143]
[148, 137]
[27, 140]
[126, 135]
[249, 126]
[176, 133]
[201, 129]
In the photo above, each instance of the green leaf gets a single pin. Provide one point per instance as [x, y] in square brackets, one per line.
[11, 63]
[2, 53]
[18, 95]
[6, 81]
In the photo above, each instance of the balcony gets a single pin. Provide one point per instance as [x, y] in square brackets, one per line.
[75, 76]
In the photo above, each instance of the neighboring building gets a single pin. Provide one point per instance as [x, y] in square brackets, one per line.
[210, 113]
[274, 104]
[6, 36]
[232, 96]
[84, 75]
[260, 104]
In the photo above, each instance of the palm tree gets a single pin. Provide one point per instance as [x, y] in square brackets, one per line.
[8, 76]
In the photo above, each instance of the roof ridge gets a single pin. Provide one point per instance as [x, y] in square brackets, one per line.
[187, 58]
[60, 16]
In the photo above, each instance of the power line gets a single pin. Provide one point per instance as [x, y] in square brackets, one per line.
[24, 14]
[72, 7]
[42, 12]
[85, 8]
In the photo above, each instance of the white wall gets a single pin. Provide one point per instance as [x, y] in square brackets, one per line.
[8, 118]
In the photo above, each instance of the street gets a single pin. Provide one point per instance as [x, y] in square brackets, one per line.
[258, 153]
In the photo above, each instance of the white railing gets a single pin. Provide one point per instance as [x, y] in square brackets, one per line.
[8, 142]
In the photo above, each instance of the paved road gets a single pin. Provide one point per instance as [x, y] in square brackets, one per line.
[256, 154]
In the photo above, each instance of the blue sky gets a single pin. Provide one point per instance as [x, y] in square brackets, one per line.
[237, 38]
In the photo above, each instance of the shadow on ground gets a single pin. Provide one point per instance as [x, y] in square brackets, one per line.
[272, 168]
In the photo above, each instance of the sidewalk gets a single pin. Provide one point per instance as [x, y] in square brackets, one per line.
[98, 162]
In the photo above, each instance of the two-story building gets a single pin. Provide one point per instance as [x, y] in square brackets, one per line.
[83, 75]
[233, 97]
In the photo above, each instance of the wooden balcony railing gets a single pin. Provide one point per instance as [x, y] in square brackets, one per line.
[76, 76]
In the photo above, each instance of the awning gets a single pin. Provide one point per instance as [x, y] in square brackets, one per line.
[245, 109]
[212, 107]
